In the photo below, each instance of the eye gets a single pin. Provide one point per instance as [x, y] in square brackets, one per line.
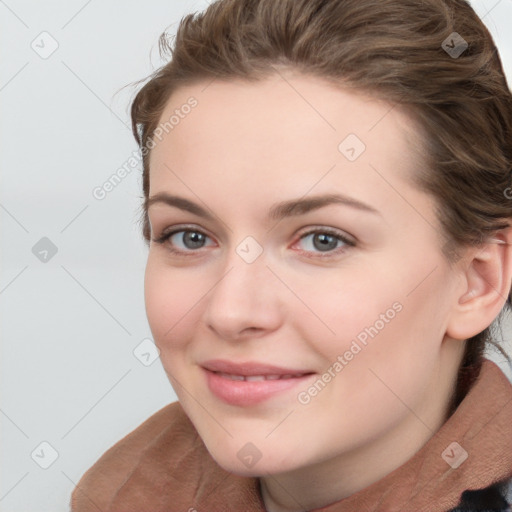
[324, 241]
[185, 240]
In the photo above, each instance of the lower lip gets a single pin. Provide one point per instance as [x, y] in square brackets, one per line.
[245, 393]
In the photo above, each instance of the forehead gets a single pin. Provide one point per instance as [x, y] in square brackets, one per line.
[286, 131]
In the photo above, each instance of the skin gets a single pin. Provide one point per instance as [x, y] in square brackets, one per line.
[244, 148]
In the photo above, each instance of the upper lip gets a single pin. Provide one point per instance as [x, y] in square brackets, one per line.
[250, 368]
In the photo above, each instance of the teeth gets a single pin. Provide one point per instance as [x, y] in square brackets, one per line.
[257, 378]
[232, 377]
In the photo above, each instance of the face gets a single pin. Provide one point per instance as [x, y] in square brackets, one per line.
[295, 284]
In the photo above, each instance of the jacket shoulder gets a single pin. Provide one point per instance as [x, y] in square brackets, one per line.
[98, 486]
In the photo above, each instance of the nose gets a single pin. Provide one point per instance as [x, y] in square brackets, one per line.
[245, 301]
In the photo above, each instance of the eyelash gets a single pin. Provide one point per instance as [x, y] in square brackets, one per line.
[166, 235]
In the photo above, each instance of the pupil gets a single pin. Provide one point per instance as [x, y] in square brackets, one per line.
[324, 242]
[193, 240]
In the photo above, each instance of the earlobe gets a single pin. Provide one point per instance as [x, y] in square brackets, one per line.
[487, 276]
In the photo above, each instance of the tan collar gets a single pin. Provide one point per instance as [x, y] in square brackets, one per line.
[163, 465]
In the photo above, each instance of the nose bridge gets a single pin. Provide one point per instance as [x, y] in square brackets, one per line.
[246, 276]
[245, 296]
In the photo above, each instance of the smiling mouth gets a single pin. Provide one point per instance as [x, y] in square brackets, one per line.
[250, 384]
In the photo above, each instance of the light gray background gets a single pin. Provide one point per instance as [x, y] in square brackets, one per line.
[70, 325]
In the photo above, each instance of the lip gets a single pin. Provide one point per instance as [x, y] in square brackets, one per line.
[250, 392]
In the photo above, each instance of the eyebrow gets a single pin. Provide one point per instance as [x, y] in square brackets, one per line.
[277, 212]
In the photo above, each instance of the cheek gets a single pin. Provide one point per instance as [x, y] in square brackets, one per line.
[172, 299]
[394, 345]
[344, 306]
[373, 317]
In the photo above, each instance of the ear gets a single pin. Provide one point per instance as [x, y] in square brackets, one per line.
[486, 281]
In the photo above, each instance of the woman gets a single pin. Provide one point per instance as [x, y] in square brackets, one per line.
[328, 219]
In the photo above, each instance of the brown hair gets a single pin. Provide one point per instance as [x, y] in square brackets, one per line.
[396, 50]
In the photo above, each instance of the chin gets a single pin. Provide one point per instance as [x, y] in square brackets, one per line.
[248, 461]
